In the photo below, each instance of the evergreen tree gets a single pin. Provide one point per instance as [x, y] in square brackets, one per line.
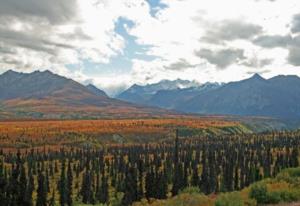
[69, 200]
[41, 199]
[195, 176]
[29, 190]
[294, 157]
[176, 178]
[62, 185]
[86, 188]
[141, 171]
[22, 185]
[13, 189]
[162, 186]
[149, 184]
[131, 192]
[204, 183]
[3, 184]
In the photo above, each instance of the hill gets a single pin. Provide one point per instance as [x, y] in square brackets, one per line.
[47, 95]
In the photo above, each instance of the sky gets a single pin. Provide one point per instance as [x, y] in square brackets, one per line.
[116, 43]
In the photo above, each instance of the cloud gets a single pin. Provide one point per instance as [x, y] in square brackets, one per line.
[56, 34]
[222, 58]
[296, 24]
[47, 34]
[180, 65]
[231, 30]
[274, 41]
[257, 63]
[54, 11]
[31, 41]
[258, 72]
[294, 56]
[292, 44]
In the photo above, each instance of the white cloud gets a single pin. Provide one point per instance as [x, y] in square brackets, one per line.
[176, 34]
[50, 36]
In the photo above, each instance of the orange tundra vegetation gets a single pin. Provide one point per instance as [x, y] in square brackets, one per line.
[57, 133]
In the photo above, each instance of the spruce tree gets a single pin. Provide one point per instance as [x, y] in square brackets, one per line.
[195, 177]
[62, 185]
[41, 199]
[149, 184]
[131, 192]
[69, 193]
[176, 177]
[294, 157]
[104, 189]
[3, 184]
[29, 190]
[22, 186]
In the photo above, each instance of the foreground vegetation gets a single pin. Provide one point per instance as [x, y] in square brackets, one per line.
[122, 174]
[284, 189]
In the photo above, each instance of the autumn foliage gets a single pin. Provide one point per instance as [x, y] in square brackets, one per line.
[57, 133]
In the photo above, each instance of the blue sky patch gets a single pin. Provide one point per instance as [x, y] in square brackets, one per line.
[122, 63]
[155, 6]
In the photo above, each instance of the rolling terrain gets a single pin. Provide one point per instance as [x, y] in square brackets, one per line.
[47, 95]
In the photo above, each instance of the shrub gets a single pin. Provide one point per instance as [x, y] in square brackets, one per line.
[293, 172]
[289, 195]
[262, 196]
[250, 202]
[273, 198]
[230, 199]
[259, 193]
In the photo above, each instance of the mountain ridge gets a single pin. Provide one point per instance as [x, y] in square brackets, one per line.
[43, 94]
[95, 90]
[277, 97]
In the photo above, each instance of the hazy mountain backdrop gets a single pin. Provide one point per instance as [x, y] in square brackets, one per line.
[44, 94]
[256, 96]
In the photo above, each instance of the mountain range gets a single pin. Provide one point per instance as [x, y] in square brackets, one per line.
[48, 95]
[275, 97]
[144, 94]
[166, 94]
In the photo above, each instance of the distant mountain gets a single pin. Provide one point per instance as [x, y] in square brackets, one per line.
[166, 94]
[256, 96]
[275, 97]
[95, 90]
[172, 99]
[142, 94]
[47, 95]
